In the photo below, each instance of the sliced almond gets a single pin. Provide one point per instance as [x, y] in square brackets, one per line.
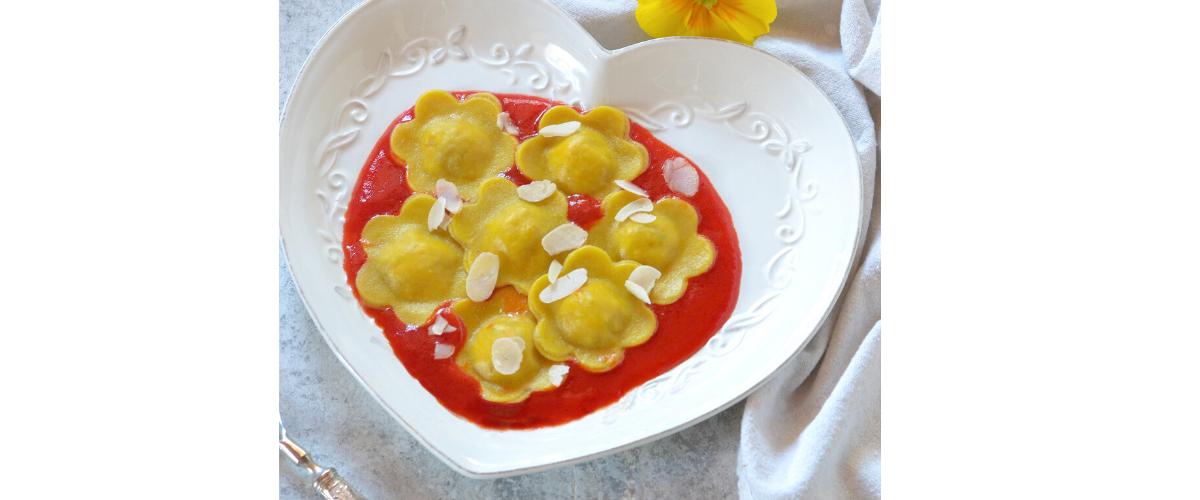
[439, 326]
[631, 187]
[449, 329]
[637, 291]
[645, 276]
[555, 268]
[481, 278]
[565, 237]
[507, 354]
[557, 373]
[638, 205]
[536, 191]
[564, 286]
[445, 223]
[681, 176]
[643, 217]
[442, 351]
[505, 123]
[437, 214]
[447, 190]
[560, 130]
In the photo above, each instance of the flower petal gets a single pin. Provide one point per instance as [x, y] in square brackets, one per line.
[749, 18]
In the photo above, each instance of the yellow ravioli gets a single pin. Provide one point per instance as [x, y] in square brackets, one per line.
[588, 160]
[452, 140]
[504, 315]
[408, 268]
[594, 324]
[502, 223]
[669, 243]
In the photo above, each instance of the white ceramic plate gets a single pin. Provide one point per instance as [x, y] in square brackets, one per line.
[774, 146]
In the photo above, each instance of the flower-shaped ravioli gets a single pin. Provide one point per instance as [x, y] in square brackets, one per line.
[452, 140]
[595, 323]
[500, 222]
[409, 268]
[669, 243]
[503, 316]
[588, 160]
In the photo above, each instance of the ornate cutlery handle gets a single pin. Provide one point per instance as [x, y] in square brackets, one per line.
[327, 481]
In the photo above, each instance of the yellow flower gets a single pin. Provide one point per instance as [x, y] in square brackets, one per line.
[737, 20]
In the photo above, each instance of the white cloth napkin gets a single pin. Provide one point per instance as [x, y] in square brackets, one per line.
[814, 430]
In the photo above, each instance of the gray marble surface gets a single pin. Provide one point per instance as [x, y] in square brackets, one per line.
[329, 413]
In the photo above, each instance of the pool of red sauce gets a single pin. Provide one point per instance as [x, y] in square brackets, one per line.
[683, 327]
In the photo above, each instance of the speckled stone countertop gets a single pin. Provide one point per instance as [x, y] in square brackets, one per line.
[334, 418]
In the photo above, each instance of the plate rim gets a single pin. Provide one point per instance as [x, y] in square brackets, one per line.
[860, 235]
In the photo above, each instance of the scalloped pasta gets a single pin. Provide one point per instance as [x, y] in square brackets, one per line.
[668, 243]
[502, 223]
[595, 324]
[504, 315]
[452, 140]
[409, 268]
[588, 160]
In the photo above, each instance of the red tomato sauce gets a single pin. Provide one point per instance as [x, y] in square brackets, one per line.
[683, 327]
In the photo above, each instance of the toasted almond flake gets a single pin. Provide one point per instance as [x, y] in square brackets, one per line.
[638, 205]
[637, 291]
[681, 176]
[439, 326]
[505, 123]
[565, 237]
[536, 191]
[645, 276]
[560, 130]
[557, 373]
[643, 217]
[555, 268]
[507, 354]
[437, 213]
[631, 187]
[447, 190]
[564, 286]
[445, 223]
[442, 351]
[449, 329]
[481, 279]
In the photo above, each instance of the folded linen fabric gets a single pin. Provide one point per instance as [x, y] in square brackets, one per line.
[814, 430]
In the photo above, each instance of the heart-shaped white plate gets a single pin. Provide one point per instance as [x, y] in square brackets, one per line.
[774, 146]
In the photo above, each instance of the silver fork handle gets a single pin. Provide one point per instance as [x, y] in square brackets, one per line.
[327, 481]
